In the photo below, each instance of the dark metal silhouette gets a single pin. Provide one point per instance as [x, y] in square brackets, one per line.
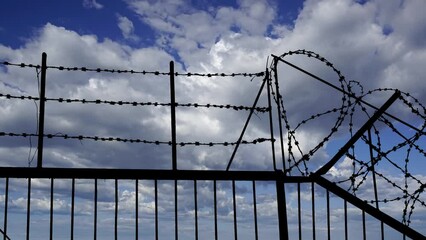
[280, 177]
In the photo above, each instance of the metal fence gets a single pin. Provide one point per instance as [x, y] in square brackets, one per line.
[288, 202]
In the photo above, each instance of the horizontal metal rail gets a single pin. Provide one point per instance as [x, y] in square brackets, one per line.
[132, 174]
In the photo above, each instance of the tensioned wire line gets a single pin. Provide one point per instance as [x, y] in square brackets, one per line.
[144, 72]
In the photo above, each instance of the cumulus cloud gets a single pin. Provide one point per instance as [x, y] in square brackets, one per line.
[207, 41]
[376, 43]
[92, 4]
[127, 28]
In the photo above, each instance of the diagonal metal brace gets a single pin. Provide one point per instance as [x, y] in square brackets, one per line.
[390, 221]
[247, 122]
[324, 169]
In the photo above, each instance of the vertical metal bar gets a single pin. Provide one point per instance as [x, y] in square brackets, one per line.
[173, 114]
[328, 215]
[95, 215]
[215, 210]
[196, 209]
[256, 234]
[280, 125]
[156, 208]
[137, 210]
[72, 207]
[299, 211]
[234, 203]
[345, 208]
[176, 212]
[42, 111]
[373, 162]
[313, 210]
[6, 199]
[28, 209]
[271, 126]
[245, 125]
[51, 209]
[282, 210]
[364, 230]
[116, 211]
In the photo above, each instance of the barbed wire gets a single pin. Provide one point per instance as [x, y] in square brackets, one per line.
[292, 160]
[361, 170]
[298, 159]
[143, 72]
[134, 103]
[134, 140]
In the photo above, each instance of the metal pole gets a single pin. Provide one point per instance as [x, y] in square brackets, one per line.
[72, 207]
[51, 210]
[280, 125]
[196, 209]
[95, 214]
[173, 114]
[6, 199]
[271, 126]
[373, 172]
[137, 210]
[215, 210]
[28, 209]
[156, 208]
[234, 204]
[176, 212]
[116, 211]
[282, 210]
[256, 232]
[41, 114]
[313, 210]
[299, 211]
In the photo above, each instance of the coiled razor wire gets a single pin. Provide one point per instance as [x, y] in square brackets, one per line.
[350, 103]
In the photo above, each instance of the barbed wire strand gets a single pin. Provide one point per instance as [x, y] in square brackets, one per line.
[134, 103]
[133, 140]
[143, 72]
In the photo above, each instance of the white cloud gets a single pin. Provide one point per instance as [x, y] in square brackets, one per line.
[376, 43]
[92, 4]
[127, 28]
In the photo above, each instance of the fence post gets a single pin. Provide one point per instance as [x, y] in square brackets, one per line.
[282, 210]
[173, 114]
[41, 113]
[271, 126]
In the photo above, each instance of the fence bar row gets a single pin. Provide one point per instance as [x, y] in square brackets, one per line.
[116, 209]
[367, 208]
[282, 224]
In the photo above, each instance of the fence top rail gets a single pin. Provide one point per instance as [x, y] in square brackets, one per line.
[147, 174]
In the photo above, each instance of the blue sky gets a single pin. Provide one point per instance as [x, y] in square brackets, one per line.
[97, 18]
[379, 43]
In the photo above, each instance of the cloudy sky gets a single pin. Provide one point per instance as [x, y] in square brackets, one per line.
[379, 44]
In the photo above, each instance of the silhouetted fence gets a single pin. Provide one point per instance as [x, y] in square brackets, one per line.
[290, 201]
